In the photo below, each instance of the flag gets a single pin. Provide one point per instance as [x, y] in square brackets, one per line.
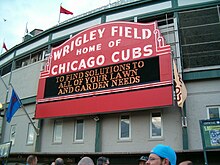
[13, 106]
[4, 46]
[181, 92]
[64, 11]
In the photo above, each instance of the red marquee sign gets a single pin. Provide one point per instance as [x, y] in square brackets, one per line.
[111, 67]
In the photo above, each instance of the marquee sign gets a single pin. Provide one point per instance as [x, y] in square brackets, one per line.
[111, 67]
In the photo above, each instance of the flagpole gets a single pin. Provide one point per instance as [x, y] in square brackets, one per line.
[2, 45]
[35, 128]
[6, 94]
[22, 106]
[6, 98]
[25, 31]
[181, 95]
[59, 15]
[4, 82]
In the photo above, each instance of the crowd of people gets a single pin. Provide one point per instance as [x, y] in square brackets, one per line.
[159, 155]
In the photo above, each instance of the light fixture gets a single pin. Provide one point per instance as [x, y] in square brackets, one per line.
[96, 118]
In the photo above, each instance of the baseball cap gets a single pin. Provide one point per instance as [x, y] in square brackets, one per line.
[143, 158]
[165, 152]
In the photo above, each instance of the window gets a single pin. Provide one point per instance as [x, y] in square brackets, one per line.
[37, 56]
[214, 112]
[12, 134]
[57, 132]
[156, 125]
[30, 134]
[29, 58]
[79, 130]
[124, 127]
[6, 69]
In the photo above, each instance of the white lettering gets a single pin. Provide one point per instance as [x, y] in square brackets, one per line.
[72, 65]
[148, 50]
[130, 32]
[54, 69]
[101, 31]
[65, 50]
[57, 55]
[78, 65]
[89, 49]
[114, 58]
[131, 54]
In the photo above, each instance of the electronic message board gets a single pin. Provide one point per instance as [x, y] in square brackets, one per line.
[108, 77]
[111, 67]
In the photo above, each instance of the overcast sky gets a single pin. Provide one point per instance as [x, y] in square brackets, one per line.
[37, 14]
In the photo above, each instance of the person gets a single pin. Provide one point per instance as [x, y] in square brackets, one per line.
[162, 155]
[86, 161]
[59, 161]
[32, 160]
[142, 160]
[103, 161]
[187, 162]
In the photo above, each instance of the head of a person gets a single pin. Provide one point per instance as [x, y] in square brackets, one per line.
[187, 162]
[162, 155]
[32, 160]
[103, 161]
[142, 160]
[59, 161]
[86, 161]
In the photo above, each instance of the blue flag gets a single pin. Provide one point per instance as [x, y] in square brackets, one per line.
[13, 106]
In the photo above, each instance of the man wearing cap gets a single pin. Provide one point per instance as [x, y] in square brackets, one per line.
[142, 160]
[162, 155]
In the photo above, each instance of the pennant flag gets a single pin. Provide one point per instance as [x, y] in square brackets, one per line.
[4, 46]
[181, 92]
[64, 11]
[13, 106]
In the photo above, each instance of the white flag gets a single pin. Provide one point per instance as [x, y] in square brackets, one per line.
[181, 92]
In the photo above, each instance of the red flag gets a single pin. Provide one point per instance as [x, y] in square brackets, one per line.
[64, 11]
[4, 46]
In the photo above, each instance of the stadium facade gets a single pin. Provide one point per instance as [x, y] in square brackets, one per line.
[102, 83]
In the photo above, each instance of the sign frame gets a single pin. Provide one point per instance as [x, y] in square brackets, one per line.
[114, 43]
[209, 129]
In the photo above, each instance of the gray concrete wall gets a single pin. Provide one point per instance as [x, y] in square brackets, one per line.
[140, 132]
[68, 144]
[25, 82]
[200, 95]
[21, 121]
